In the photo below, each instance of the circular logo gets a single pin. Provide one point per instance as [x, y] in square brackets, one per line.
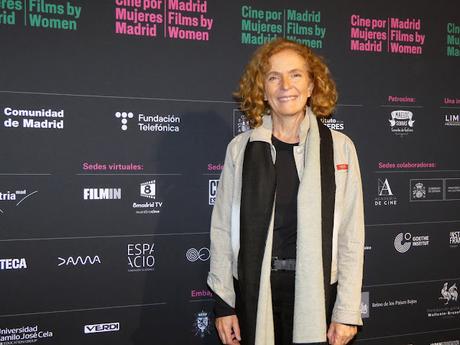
[399, 239]
[194, 254]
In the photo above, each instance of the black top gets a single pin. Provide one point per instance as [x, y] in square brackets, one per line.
[287, 186]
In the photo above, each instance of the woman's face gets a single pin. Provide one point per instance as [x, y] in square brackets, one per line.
[287, 84]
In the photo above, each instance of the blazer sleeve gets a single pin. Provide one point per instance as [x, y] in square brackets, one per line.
[350, 255]
[220, 277]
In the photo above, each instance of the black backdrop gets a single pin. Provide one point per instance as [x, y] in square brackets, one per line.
[115, 116]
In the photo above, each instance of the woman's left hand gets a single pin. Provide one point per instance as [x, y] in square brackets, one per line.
[340, 334]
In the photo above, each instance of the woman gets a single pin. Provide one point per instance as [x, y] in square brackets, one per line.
[287, 229]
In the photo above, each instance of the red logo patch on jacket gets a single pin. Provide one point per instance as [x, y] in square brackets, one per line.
[342, 166]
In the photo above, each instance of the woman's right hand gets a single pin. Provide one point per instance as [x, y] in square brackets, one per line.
[228, 329]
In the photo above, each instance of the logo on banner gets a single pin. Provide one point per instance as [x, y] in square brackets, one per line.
[454, 239]
[385, 194]
[10, 198]
[34, 118]
[449, 293]
[150, 123]
[141, 257]
[452, 120]
[79, 261]
[123, 117]
[419, 191]
[101, 193]
[404, 241]
[449, 299]
[338, 125]
[364, 304]
[194, 254]
[22, 335]
[148, 190]
[240, 122]
[13, 264]
[449, 342]
[213, 191]
[401, 122]
[102, 327]
[202, 324]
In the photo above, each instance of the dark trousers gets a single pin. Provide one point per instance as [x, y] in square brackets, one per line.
[282, 286]
[283, 289]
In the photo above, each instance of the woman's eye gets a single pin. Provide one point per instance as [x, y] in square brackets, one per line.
[272, 78]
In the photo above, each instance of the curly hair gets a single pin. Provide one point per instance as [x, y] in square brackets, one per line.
[251, 87]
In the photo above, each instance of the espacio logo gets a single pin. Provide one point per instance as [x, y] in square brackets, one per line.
[141, 257]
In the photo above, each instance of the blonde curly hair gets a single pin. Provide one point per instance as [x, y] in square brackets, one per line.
[251, 87]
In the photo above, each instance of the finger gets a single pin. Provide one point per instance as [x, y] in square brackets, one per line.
[236, 330]
[228, 334]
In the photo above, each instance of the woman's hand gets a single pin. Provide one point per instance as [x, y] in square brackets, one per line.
[228, 329]
[340, 334]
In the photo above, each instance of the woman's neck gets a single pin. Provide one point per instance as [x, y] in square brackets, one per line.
[286, 128]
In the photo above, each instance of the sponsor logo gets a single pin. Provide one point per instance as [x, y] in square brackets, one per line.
[212, 191]
[101, 193]
[435, 189]
[150, 123]
[240, 122]
[16, 197]
[34, 118]
[449, 299]
[365, 304]
[202, 324]
[102, 327]
[13, 264]
[123, 117]
[454, 239]
[452, 120]
[342, 166]
[449, 342]
[22, 335]
[79, 261]
[449, 293]
[140, 257]
[194, 254]
[401, 122]
[385, 194]
[338, 125]
[404, 241]
[148, 189]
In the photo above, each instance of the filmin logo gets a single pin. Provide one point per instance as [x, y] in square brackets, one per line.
[102, 327]
[101, 193]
